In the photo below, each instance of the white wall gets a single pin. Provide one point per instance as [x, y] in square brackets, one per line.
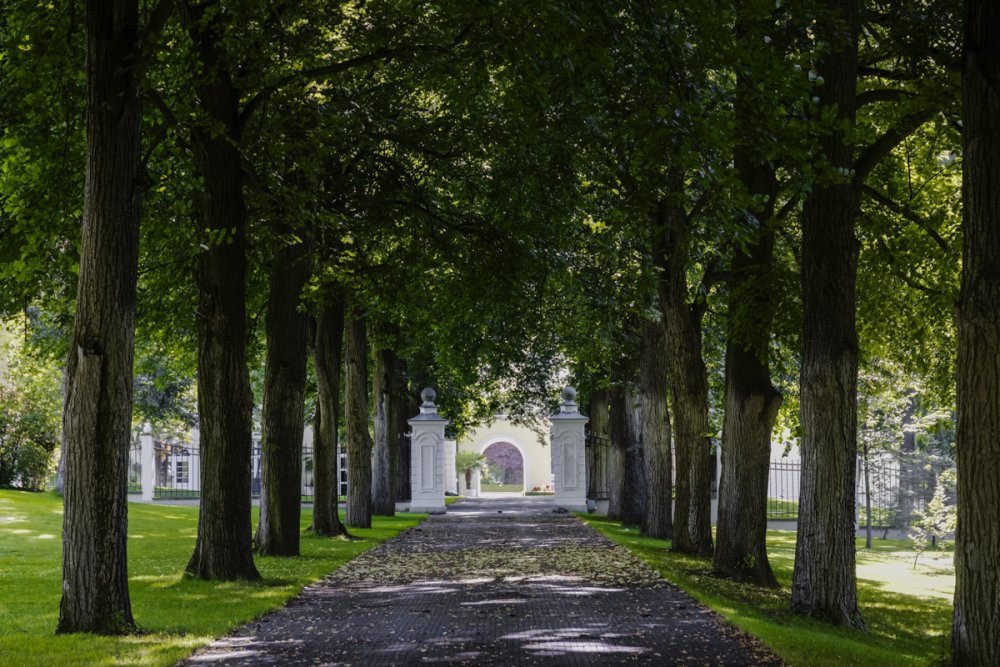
[537, 455]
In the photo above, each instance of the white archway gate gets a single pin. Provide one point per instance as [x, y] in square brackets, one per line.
[432, 458]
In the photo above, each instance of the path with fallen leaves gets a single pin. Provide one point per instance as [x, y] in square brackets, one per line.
[492, 582]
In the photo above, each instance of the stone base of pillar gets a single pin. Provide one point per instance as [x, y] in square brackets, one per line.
[428, 509]
[571, 504]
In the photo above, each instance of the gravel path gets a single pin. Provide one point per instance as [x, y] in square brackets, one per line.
[497, 582]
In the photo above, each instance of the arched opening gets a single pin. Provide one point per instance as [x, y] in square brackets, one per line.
[504, 469]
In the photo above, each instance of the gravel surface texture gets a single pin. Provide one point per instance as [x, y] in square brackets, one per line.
[492, 582]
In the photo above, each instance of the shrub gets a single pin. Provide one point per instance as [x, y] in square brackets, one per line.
[30, 407]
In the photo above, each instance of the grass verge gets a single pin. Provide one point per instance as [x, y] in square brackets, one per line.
[179, 614]
[503, 488]
[908, 611]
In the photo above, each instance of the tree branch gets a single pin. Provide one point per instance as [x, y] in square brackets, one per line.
[888, 141]
[313, 74]
[881, 95]
[907, 214]
[909, 282]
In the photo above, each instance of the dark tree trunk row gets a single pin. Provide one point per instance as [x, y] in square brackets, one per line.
[688, 378]
[658, 459]
[223, 549]
[359, 442]
[976, 623]
[97, 417]
[283, 418]
[328, 342]
[824, 583]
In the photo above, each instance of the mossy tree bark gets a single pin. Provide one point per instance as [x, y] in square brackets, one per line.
[327, 354]
[97, 416]
[359, 442]
[658, 459]
[223, 548]
[976, 623]
[824, 583]
[283, 418]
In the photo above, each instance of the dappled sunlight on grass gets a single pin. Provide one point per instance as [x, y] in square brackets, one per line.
[908, 611]
[177, 613]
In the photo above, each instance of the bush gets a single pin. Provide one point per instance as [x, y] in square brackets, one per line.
[30, 408]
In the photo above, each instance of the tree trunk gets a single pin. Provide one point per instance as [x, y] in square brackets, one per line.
[976, 623]
[283, 418]
[97, 416]
[636, 492]
[402, 413]
[688, 379]
[751, 407]
[223, 549]
[751, 401]
[384, 390]
[656, 431]
[600, 441]
[328, 342]
[327, 337]
[823, 583]
[618, 430]
[359, 442]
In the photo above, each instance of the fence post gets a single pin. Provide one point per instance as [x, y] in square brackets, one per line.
[569, 461]
[147, 476]
[427, 457]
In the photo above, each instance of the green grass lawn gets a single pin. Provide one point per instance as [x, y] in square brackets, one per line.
[908, 611]
[178, 613]
[506, 488]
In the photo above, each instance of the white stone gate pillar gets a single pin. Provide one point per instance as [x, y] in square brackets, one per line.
[569, 463]
[427, 457]
[450, 473]
[147, 463]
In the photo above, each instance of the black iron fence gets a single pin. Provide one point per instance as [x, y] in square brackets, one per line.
[783, 480]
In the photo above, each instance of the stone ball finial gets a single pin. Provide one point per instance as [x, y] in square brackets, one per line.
[428, 395]
[569, 395]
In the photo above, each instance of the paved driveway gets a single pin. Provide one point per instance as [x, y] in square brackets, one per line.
[492, 582]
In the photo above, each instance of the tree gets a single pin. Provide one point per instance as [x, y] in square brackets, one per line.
[359, 441]
[687, 377]
[223, 549]
[97, 418]
[656, 431]
[976, 623]
[283, 418]
[467, 463]
[824, 583]
[327, 355]
[385, 389]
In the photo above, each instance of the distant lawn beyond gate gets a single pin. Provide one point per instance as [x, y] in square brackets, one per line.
[504, 488]
[179, 614]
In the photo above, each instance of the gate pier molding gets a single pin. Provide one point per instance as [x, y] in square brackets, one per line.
[427, 457]
[569, 464]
